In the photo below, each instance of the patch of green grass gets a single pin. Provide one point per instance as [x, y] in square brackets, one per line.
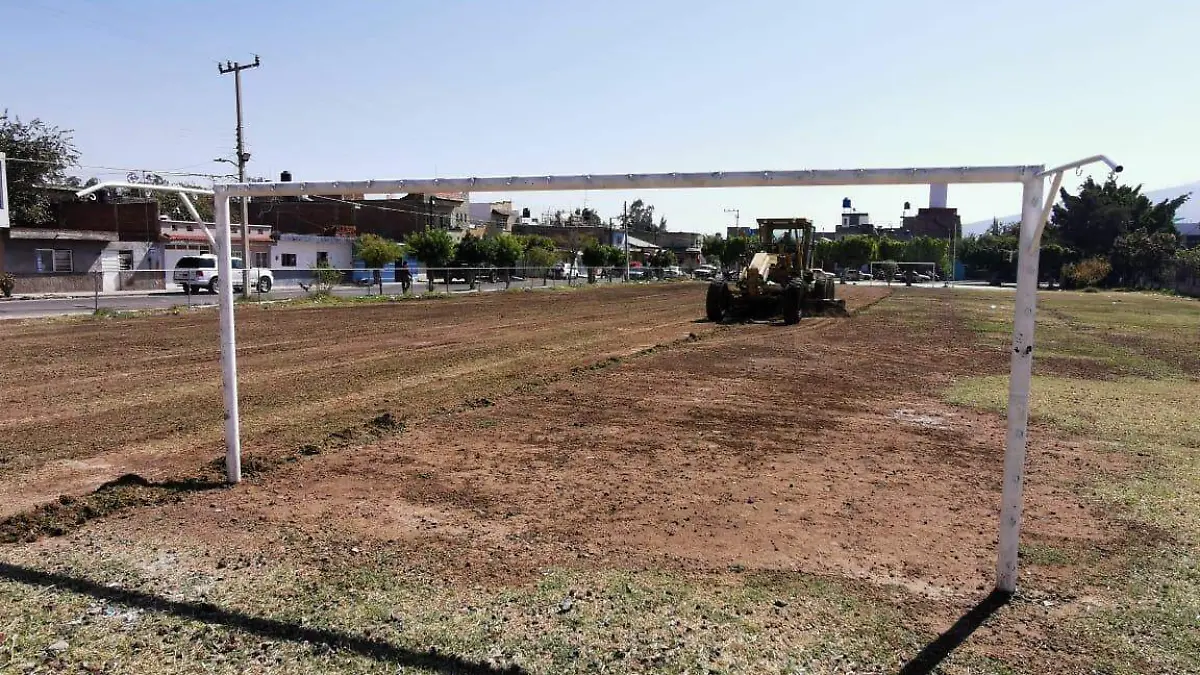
[1151, 620]
[1133, 411]
[370, 613]
[1047, 555]
[1126, 332]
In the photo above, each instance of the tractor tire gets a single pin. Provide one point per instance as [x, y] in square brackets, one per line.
[790, 304]
[716, 303]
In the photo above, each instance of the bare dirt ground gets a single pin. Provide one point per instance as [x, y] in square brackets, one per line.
[84, 402]
[595, 430]
[819, 449]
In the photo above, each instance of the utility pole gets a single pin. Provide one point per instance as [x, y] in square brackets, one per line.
[242, 157]
[625, 220]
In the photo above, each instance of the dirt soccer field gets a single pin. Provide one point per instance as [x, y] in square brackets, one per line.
[598, 481]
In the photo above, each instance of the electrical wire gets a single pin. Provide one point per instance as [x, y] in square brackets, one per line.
[120, 169]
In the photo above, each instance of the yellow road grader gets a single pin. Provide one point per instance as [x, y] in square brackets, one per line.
[778, 281]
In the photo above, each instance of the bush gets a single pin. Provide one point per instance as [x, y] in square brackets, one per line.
[7, 283]
[1086, 273]
[1187, 263]
[325, 277]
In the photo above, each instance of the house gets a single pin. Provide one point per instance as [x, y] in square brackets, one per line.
[939, 223]
[89, 246]
[1190, 233]
[492, 217]
[186, 237]
[853, 223]
[294, 256]
[392, 218]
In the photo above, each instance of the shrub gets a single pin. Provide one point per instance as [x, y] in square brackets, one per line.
[325, 277]
[1089, 272]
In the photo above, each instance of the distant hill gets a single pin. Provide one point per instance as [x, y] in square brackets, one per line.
[1188, 213]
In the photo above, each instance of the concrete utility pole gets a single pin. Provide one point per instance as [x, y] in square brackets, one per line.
[625, 219]
[242, 157]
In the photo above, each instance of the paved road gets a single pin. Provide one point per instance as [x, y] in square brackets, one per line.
[61, 306]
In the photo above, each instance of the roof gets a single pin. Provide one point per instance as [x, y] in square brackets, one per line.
[42, 233]
[198, 235]
[640, 243]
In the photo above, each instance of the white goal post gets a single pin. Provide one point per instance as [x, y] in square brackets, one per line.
[1034, 213]
[929, 269]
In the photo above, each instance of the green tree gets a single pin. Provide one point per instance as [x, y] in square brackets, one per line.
[50, 151]
[891, 249]
[824, 254]
[615, 257]
[713, 248]
[507, 250]
[640, 217]
[536, 241]
[928, 249]
[1092, 221]
[1141, 258]
[376, 252]
[736, 250]
[434, 247]
[472, 253]
[593, 255]
[1051, 262]
[857, 250]
[660, 260]
[991, 256]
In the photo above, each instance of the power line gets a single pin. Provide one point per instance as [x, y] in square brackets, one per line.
[120, 169]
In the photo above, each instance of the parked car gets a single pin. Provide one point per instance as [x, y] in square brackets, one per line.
[672, 272]
[856, 275]
[194, 272]
[705, 272]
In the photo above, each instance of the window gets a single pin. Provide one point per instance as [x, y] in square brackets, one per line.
[47, 260]
[125, 260]
[287, 260]
[322, 258]
[262, 259]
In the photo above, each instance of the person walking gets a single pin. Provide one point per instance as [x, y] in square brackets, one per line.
[405, 277]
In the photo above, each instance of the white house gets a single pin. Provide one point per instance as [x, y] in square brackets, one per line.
[294, 256]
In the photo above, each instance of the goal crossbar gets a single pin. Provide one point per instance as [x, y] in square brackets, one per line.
[1034, 210]
[645, 181]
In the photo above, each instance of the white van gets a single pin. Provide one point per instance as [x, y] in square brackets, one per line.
[194, 272]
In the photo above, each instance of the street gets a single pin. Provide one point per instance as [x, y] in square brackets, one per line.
[40, 307]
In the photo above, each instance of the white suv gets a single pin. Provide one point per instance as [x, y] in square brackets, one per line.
[194, 272]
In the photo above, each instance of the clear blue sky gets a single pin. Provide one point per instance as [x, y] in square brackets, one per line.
[411, 89]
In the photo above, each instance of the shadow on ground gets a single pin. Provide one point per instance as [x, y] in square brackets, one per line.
[263, 627]
[940, 649]
[69, 513]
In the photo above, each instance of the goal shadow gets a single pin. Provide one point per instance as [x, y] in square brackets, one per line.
[274, 629]
[932, 655]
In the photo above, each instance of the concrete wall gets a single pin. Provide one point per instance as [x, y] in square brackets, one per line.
[91, 261]
[306, 248]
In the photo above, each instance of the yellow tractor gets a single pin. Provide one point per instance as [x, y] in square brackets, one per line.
[778, 281]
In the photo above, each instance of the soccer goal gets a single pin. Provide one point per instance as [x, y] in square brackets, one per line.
[892, 271]
[1035, 210]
